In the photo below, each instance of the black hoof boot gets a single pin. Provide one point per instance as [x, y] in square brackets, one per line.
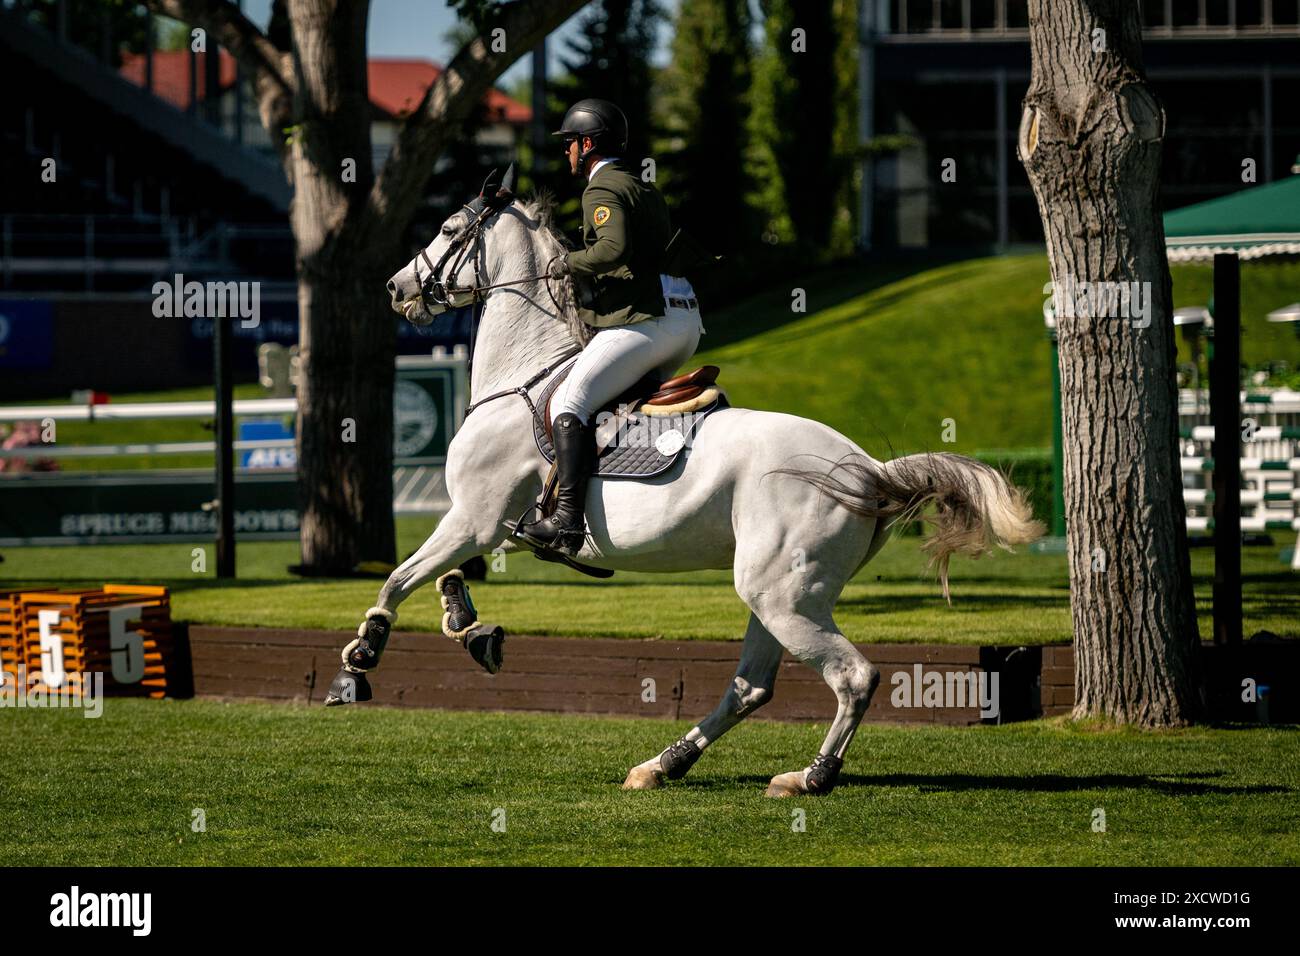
[484, 644]
[348, 688]
[365, 656]
[679, 758]
[823, 774]
[460, 617]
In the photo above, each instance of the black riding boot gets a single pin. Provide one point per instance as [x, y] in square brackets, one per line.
[564, 529]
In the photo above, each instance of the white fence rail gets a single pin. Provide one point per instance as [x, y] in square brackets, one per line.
[135, 411]
[1269, 446]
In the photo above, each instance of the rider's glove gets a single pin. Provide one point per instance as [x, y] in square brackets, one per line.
[558, 267]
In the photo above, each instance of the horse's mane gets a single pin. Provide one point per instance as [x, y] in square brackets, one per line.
[540, 208]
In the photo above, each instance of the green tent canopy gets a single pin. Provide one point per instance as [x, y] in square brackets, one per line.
[1260, 221]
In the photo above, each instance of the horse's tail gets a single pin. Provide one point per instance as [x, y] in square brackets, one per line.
[973, 508]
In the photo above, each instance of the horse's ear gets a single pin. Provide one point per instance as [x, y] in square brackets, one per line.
[498, 191]
[490, 185]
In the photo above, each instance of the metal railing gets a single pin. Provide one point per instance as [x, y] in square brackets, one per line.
[150, 247]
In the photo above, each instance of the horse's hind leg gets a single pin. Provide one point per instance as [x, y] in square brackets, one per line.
[819, 643]
[750, 689]
[452, 542]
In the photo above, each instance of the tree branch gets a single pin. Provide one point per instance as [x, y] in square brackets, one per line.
[450, 101]
[272, 76]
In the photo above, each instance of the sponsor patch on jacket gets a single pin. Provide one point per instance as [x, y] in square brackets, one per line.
[601, 215]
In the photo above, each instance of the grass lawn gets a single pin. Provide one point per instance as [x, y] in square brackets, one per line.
[280, 784]
[1018, 598]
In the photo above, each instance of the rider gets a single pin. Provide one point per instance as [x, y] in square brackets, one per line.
[648, 322]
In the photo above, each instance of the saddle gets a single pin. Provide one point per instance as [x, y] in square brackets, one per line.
[642, 431]
[649, 396]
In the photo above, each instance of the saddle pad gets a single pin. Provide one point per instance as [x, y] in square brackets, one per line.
[646, 445]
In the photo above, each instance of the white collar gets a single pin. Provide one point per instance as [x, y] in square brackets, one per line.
[595, 169]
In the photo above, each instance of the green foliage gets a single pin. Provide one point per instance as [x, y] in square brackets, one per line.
[481, 13]
[703, 164]
[610, 58]
[91, 24]
[886, 144]
[794, 124]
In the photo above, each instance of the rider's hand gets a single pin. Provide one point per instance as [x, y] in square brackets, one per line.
[558, 267]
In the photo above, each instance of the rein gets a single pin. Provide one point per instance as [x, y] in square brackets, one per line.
[522, 390]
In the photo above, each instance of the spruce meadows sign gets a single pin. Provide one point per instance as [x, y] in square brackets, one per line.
[42, 508]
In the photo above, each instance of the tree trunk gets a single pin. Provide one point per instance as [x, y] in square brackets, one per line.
[347, 334]
[1091, 138]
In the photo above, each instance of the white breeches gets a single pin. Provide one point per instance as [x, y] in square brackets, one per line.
[616, 358]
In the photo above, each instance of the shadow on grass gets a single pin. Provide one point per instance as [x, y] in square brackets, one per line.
[1186, 784]
[967, 604]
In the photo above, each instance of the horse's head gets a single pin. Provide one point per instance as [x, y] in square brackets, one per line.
[443, 274]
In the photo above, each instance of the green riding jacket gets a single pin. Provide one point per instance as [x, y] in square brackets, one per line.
[625, 229]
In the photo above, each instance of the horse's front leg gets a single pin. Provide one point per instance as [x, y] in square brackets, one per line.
[455, 541]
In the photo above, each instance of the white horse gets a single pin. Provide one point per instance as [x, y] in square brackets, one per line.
[759, 492]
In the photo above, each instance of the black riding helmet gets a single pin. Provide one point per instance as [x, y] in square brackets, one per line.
[602, 120]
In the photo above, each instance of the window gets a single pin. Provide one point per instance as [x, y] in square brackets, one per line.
[983, 14]
[1250, 13]
[1153, 14]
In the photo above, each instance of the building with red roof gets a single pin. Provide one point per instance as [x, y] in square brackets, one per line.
[396, 88]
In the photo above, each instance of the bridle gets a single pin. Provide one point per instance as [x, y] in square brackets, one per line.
[437, 295]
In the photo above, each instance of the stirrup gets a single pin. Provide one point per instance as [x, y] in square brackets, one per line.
[520, 531]
[543, 553]
[568, 541]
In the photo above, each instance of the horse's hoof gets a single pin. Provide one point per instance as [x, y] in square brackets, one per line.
[484, 644]
[787, 785]
[646, 776]
[348, 688]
